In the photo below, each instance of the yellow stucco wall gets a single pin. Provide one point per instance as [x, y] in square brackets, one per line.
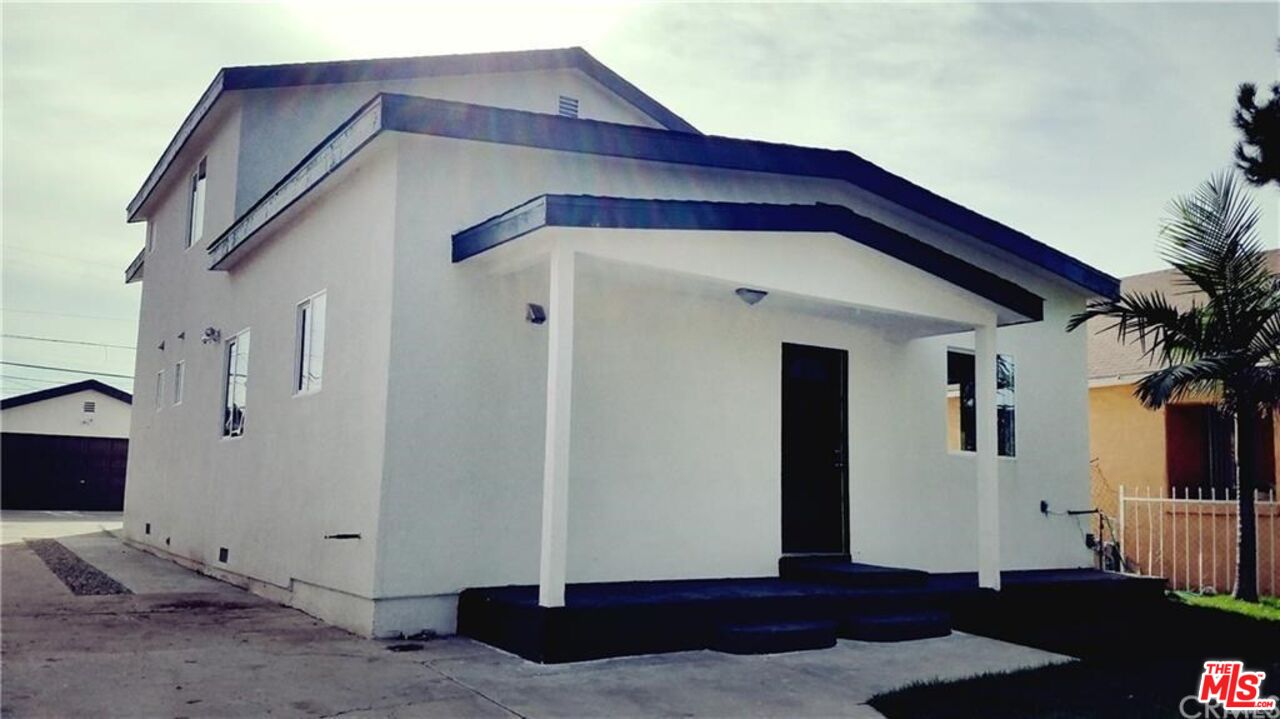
[1127, 446]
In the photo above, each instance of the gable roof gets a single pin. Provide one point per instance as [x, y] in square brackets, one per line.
[645, 214]
[250, 77]
[66, 389]
[1109, 359]
[443, 118]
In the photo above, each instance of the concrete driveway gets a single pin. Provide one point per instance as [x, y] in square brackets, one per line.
[17, 525]
[184, 645]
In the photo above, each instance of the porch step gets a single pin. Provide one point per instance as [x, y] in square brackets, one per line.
[773, 638]
[844, 573]
[896, 627]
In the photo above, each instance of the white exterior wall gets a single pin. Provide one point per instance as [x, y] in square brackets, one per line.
[282, 124]
[307, 466]
[675, 447]
[65, 416]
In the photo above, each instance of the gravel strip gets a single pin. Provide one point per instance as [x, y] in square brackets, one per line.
[79, 576]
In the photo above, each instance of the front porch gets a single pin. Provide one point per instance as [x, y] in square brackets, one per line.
[808, 606]
[669, 386]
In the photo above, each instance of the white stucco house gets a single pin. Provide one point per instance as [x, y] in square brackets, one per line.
[504, 319]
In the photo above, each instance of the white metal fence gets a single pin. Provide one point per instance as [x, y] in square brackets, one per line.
[1189, 537]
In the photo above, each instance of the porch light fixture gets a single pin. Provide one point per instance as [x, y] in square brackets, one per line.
[534, 314]
[750, 296]
[212, 335]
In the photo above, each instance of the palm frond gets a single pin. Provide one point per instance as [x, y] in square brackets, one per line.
[1201, 378]
[1211, 237]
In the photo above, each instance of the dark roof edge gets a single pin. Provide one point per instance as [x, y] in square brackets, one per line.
[339, 71]
[646, 214]
[66, 389]
[407, 113]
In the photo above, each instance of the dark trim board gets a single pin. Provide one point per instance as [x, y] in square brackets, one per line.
[405, 113]
[441, 118]
[66, 389]
[345, 71]
[629, 213]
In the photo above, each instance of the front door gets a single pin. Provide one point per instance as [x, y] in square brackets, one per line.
[814, 450]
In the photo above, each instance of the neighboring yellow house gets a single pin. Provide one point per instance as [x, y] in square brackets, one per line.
[1180, 447]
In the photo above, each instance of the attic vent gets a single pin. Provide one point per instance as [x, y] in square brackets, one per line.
[568, 106]
[90, 407]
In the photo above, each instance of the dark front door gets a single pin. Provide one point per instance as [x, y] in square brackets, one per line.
[814, 450]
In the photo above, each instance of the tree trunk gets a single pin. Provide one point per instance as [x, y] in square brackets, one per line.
[1247, 520]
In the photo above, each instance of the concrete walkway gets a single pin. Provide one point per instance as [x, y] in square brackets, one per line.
[184, 645]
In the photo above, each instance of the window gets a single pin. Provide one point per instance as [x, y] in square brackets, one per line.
[235, 385]
[196, 229]
[309, 352]
[962, 404]
[90, 407]
[159, 389]
[151, 230]
[568, 106]
[178, 372]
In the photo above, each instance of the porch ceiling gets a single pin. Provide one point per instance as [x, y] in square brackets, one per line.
[883, 268]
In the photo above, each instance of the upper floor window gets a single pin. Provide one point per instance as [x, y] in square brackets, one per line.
[151, 230]
[309, 366]
[195, 230]
[159, 389]
[962, 403]
[235, 385]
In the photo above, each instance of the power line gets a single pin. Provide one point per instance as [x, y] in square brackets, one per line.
[67, 342]
[29, 379]
[66, 369]
[67, 314]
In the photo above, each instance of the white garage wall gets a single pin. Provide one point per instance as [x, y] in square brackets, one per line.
[65, 415]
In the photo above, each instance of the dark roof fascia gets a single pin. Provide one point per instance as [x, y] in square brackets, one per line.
[250, 77]
[476, 122]
[179, 140]
[66, 389]
[344, 71]
[641, 214]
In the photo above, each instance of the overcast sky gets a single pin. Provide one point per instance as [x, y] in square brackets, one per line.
[1073, 123]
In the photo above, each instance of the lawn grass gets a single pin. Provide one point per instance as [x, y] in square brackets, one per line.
[1137, 660]
[1268, 609]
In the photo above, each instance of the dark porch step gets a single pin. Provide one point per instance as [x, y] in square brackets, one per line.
[842, 572]
[774, 638]
[896, 627]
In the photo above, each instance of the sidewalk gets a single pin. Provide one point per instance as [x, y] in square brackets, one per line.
[184, 645]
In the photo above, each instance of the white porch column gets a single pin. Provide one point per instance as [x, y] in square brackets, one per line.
[987, 461]
[555, 470]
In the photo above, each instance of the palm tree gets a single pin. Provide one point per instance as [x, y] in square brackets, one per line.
[1225, 346]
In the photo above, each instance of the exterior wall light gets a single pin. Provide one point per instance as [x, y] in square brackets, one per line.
[535, 314]
[750, 296]
[212, 335]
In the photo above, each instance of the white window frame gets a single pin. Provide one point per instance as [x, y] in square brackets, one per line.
[227, 381]
[197, 194]
[306, 382]
[1013, 403]
[179, 381]
[159, 390]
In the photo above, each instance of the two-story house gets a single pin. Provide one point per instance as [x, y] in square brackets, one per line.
[411, 326]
